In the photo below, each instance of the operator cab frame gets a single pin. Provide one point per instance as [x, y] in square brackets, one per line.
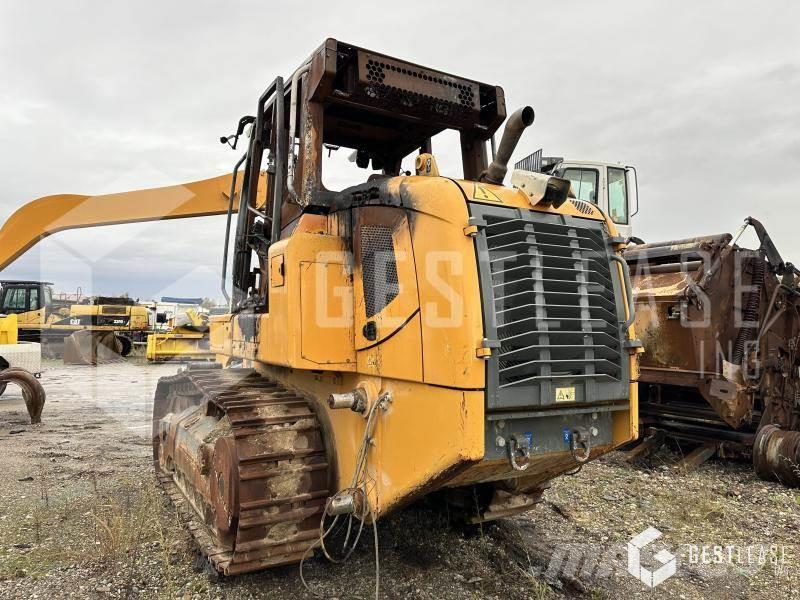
[18, 297]
[344, 96]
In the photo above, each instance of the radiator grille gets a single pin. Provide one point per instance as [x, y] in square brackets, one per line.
[553, 302]
[114, 310]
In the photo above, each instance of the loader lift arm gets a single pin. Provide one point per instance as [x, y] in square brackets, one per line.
[50, 214]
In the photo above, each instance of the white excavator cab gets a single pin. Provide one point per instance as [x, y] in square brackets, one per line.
[613, 187]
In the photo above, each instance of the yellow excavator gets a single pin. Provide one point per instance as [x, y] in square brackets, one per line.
[413, 334]
[82, 332]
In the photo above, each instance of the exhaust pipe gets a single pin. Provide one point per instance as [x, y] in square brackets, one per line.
[515, 125]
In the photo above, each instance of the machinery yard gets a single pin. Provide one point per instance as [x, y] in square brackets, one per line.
[81, 516]
[387, 316]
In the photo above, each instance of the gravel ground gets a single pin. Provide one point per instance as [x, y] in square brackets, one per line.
[80, 516]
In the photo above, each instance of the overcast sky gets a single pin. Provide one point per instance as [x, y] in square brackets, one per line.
[109, 96]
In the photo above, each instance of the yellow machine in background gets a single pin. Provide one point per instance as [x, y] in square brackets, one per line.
[9, 331]
[186, 341]
[110, 323]
[406, 336]
[21, 365]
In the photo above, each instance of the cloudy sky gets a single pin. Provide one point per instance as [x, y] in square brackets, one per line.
[109, 96]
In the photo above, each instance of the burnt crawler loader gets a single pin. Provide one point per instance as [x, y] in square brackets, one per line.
[407, 335]
[720, 328]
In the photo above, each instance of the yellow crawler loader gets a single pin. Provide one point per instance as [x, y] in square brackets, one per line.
[187, 340]
[413, 334]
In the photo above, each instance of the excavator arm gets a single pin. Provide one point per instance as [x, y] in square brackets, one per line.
[42, 217]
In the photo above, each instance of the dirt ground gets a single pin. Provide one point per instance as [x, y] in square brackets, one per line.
[80, 516]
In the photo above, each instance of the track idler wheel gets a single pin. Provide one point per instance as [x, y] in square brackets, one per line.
[776, 455]
[32, 391]
[126, 345]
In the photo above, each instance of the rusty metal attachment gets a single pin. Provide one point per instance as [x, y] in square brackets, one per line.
[88, 347]
[32, 391]
[720, 325]
[244, 461]
[776, 455]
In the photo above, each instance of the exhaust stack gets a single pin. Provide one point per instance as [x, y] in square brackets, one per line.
[516, 124]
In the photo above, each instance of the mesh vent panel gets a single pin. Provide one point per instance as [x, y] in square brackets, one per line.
[379, 268]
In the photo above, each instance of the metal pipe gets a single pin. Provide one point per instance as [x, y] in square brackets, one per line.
[515, 125]
[228, 229]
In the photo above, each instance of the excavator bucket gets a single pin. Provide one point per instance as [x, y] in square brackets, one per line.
[92, 348]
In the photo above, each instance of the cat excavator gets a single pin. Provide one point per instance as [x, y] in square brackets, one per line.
[93, 330]
[414, 334]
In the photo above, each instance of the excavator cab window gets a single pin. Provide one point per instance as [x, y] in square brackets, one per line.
[33, 299]
[584, 183]
[617, 196]
[14, 300]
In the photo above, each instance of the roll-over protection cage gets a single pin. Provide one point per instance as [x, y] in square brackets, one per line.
[345, 96]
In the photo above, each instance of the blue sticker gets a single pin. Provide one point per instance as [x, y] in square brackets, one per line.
[529, 436]
[567, 435]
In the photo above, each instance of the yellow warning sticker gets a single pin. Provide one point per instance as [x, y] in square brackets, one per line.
[482, 193]
[565, 394]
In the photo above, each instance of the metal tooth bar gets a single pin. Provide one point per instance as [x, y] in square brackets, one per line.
[555, 307]
[290, 400]
[596, 297]
[591, 252]
[260, 504]
[553, 272]
[499, 222]
[300, 514]
[255, 545]
[266, 474]
[600, 268]
[273, 456]
[556, 347]
[249, 432]
[259, 423]
[545, 239]
[560, 362]
[546, 377]
[545, 280]
[565, 334]
[540, 233]
[245, 407]
[235, 405]
[602, 322]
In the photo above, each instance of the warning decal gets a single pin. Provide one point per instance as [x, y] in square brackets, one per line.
[482, 193]
[565, 394]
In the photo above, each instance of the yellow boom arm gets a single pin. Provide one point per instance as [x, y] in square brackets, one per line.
[40, 218]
